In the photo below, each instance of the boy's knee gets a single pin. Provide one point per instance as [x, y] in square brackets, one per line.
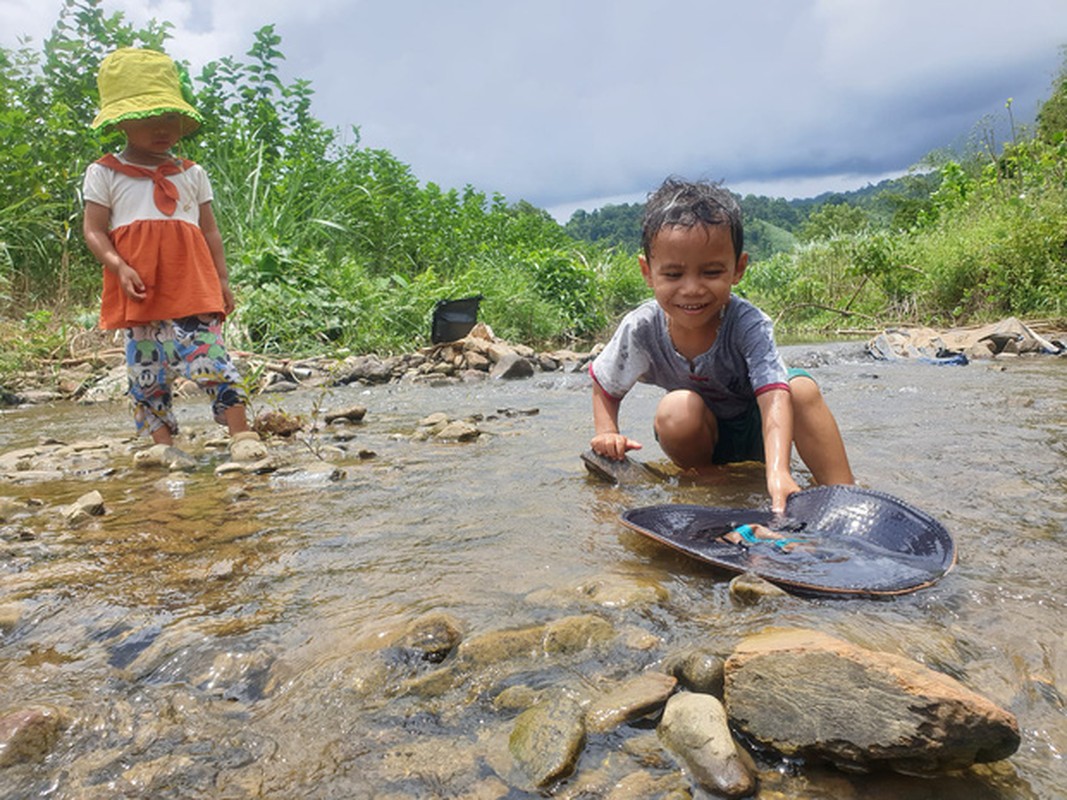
[805, 391]
[682, 414]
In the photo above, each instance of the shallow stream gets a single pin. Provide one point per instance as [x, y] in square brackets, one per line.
[216, 638]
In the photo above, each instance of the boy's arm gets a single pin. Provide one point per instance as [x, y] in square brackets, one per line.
[777, 412]
[210, 229]
[94, 227]
[608, 441]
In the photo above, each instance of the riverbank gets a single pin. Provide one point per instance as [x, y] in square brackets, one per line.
[92, 367]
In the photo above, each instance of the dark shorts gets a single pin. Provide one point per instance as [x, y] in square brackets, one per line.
[741, 438]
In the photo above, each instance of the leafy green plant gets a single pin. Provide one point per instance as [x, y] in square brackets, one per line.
[335, 246]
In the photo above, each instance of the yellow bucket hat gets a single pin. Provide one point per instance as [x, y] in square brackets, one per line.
[135, 84]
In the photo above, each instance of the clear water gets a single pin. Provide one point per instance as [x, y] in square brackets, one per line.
[219, 638]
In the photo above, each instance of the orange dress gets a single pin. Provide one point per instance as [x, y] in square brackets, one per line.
[154, 225]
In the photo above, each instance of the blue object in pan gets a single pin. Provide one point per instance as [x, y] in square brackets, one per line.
[853, 542]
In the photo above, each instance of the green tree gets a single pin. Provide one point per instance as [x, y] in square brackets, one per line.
[48, 100]
[1052, 117]
[834, 219]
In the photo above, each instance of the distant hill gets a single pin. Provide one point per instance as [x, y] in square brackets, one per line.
[772, 224]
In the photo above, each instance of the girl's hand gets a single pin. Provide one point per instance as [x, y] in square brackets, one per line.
[228, 304]
[613, 445]
[131, 283]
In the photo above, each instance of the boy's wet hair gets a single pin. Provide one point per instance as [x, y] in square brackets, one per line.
[689, 203]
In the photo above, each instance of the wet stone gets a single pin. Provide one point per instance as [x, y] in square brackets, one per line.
[645, 786]
[637, 638]
[438, 418]
[647, 750]
[29, 734]
[494, 646]
[10, 615]
[639, 697]
[10, 508]
[618, 592]
[231, 468]
[349, 414]
[695, 728]
[573, 634]
[546, 741]
[698, 670]
[441, 761]
[517, 698]
[458, 431]
[432, 684]
[236, 676]
[512, 366]
[749, 589]
[166, 456]
[807, 694]
[631, 700]
[92, 503]
[433, 636]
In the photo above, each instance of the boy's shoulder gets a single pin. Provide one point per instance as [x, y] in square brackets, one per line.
[643, 322]
[649, 310]
[747, 312]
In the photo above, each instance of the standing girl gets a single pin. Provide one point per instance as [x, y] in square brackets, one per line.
[149, 222]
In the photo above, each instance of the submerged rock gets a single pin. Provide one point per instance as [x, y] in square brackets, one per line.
[809, 695]
[494, 646]
[631, 700]
[165, 455]
[432, 636]
[29, 734]
[546, 740]
[10, 616]
[53, 460]
[644, 786]
[750, 589]
[573, 634]
[561, 636]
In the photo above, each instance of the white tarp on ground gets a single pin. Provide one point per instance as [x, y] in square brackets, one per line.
[1006, 336]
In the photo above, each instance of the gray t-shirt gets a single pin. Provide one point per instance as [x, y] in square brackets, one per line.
[742, 363]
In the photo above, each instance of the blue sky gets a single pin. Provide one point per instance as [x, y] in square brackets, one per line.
[572, 103]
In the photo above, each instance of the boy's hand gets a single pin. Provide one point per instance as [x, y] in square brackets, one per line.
[780, 485]
[131, 283]
[613, 445]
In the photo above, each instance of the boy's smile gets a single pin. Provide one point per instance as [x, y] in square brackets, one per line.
[691, 272]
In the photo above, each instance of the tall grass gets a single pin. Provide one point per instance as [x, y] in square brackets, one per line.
[332, 245]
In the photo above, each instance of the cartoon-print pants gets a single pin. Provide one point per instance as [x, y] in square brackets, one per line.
[191, 347]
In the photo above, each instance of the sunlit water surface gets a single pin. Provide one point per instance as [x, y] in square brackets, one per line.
[215, 632]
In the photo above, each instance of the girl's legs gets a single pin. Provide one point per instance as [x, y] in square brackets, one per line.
[685, 429]
[205, 361]
[816, 434]
[148, 368]
[236, 418]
